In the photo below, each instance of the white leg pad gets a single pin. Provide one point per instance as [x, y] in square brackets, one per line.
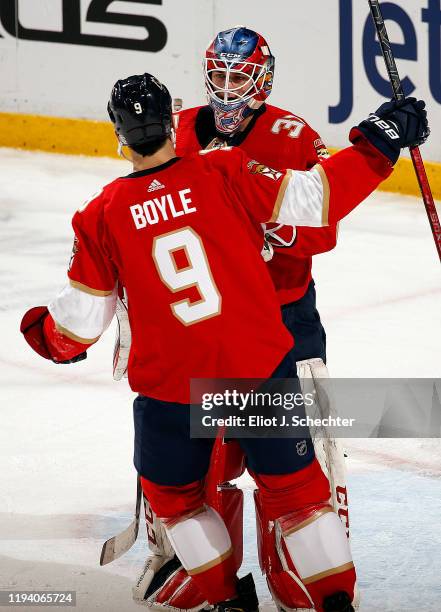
[318, 546]
[201, 540]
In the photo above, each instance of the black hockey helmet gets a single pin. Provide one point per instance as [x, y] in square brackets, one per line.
[140, 108]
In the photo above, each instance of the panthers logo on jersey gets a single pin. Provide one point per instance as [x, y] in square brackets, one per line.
[256, 168]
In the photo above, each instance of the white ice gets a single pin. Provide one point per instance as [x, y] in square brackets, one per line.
[66, 479]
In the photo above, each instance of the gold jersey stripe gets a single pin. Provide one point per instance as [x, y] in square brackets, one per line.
[308, 521]
[330, 572]
[326, 194]
[86, 289]
[280, 196]
[73, 336]
[210, 564]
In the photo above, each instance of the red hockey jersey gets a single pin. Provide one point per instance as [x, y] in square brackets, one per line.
[169, 235]
[280, 140]
[198, 308]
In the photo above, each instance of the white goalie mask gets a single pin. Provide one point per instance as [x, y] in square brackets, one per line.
[238, 70]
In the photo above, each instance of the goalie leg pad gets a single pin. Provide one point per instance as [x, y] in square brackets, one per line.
[227, 500]
[173, 501]
[328, 450]
[319, 551]
[202, 543]
[284, 493]
[200, 539]
[311, 541]
[227, 462]
[286, 588]
[163, 586]
[279, 495]
[164, 583]
[181, 592]
[198, 535]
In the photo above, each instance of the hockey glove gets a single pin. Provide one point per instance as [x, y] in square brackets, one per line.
[32, 328]
[395, 126]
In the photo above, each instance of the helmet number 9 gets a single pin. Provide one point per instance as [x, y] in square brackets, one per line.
[138, 108]
[196, 274]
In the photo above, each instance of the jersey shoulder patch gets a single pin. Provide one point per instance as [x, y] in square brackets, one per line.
[254, 167]
[321, 149]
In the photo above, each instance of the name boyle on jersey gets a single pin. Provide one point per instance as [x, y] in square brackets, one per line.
[162, 208]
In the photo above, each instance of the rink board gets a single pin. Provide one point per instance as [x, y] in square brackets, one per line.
[96, 138]
[61, 59]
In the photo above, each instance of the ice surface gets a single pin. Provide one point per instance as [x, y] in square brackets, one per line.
[66, 478]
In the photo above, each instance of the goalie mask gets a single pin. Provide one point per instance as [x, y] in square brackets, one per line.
[239, 70]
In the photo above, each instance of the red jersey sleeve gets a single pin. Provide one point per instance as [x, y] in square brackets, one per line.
[84, 308]
[353, 174]
[313, 148]
[329, 191]
[91, 267]
[311, 241]
[257, 187]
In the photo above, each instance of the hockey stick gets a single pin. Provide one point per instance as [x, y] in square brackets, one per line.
[398, 92]
[121, 543]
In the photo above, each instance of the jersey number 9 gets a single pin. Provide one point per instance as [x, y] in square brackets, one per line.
[196, 274]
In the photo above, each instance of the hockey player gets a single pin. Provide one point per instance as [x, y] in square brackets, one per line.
[190, 307]
[239, 72]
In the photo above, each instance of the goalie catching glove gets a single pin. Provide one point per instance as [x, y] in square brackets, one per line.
[395, 126]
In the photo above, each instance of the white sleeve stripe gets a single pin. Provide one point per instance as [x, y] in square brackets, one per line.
[305, 201]
[87, 289]
[326, 193]
[83, 315]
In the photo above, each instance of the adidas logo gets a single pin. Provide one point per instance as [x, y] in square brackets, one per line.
[154, 185]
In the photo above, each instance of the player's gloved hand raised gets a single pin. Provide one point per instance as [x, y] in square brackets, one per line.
[394, 126]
